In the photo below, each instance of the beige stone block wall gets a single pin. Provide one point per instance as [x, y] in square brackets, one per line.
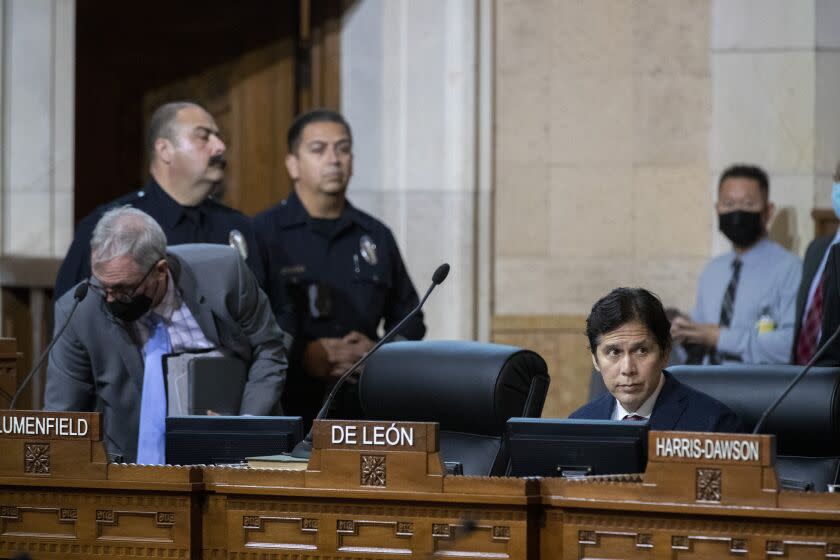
[601, 167]
[602, 164]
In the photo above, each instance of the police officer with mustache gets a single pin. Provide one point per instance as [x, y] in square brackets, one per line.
[187, 162]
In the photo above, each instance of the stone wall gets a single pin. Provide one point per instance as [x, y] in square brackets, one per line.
[603, 112]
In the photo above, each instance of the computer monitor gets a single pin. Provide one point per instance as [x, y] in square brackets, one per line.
[210, 440]
[572, 448]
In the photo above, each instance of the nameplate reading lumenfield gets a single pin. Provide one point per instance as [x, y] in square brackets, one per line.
[32, 424]
[736, 449]
[393, 436]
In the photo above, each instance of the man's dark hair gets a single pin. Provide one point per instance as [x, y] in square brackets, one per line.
[744, 171]
[625, 305]
[160, 125]
[293, 136]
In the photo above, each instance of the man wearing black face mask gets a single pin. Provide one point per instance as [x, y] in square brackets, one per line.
[746, 298]
[148, 301]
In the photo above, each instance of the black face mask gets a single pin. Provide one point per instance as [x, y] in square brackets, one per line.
[130, 310]
[741, 227]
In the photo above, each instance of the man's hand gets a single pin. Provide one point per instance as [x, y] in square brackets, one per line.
[684, 329]
[344, 352]
[330, 357]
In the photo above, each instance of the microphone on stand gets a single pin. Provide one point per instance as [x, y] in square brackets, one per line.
[78, 296]
[304, 449]
[820, 351]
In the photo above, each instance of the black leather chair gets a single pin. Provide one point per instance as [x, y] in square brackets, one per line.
[470, 388]
[806, 424]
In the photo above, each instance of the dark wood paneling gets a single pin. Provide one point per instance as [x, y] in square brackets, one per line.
[126, 49]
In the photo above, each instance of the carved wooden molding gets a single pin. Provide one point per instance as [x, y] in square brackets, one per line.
[709, 485]
[782, 547]
[311, 509]
[345, 526]
[68, 515]
[441, 530]
[105, 516]
[684, 543]
[36, 458]
[501, 532]
[373, 470]
[592, 538]
[165, 518]
[644, 540]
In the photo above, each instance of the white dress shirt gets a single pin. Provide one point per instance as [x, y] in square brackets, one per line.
[645, 410]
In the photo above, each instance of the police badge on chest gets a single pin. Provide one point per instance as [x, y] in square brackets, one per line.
[367, 249]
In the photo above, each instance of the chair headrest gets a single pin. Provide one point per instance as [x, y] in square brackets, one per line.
[807, 422]
[465, 386]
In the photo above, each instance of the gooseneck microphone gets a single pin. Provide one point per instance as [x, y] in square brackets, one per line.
[820, 351]
[78, 296]
[304, 449]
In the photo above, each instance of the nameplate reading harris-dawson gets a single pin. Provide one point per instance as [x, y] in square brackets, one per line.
[403, 436]
[49, 425]
[707, 447]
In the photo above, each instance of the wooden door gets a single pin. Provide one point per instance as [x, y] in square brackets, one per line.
[254, 65]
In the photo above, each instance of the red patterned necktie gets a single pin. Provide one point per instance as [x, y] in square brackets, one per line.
[634, 418]
[808, 335]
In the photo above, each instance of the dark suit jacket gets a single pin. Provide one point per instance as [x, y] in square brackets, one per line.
[97, 364]
[813, 257]
[678, 407]
[831, 308]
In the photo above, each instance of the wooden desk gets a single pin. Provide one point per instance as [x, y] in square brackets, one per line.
[60, 499]
[274, 512]
[689, 508]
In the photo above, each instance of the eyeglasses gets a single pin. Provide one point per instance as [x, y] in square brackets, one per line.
[123, 295]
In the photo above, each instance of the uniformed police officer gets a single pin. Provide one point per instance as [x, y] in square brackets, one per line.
[187, 160]
[334, 273]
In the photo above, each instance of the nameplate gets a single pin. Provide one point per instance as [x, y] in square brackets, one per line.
[31, 424]
[369, 435]
[703, 447]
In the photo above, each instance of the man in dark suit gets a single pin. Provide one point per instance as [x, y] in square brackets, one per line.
[831, 307]
[810, 301]
[813, 268]
[630, 339]
[149, 301]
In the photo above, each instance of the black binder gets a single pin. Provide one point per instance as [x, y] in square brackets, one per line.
[216, 384]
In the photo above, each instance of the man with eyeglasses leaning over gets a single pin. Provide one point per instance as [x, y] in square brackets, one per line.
[149, 300]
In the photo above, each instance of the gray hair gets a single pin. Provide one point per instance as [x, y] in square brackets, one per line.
[161, 124]
[127, 231]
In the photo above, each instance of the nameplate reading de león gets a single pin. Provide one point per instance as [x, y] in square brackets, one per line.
[373, 435]
[376, 435]
[49, 425]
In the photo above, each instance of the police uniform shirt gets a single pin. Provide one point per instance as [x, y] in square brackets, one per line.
[326, 278]
[209, 222]
[354, 262]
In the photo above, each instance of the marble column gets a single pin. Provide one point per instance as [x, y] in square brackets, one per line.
[412, 92]
[36, 169]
